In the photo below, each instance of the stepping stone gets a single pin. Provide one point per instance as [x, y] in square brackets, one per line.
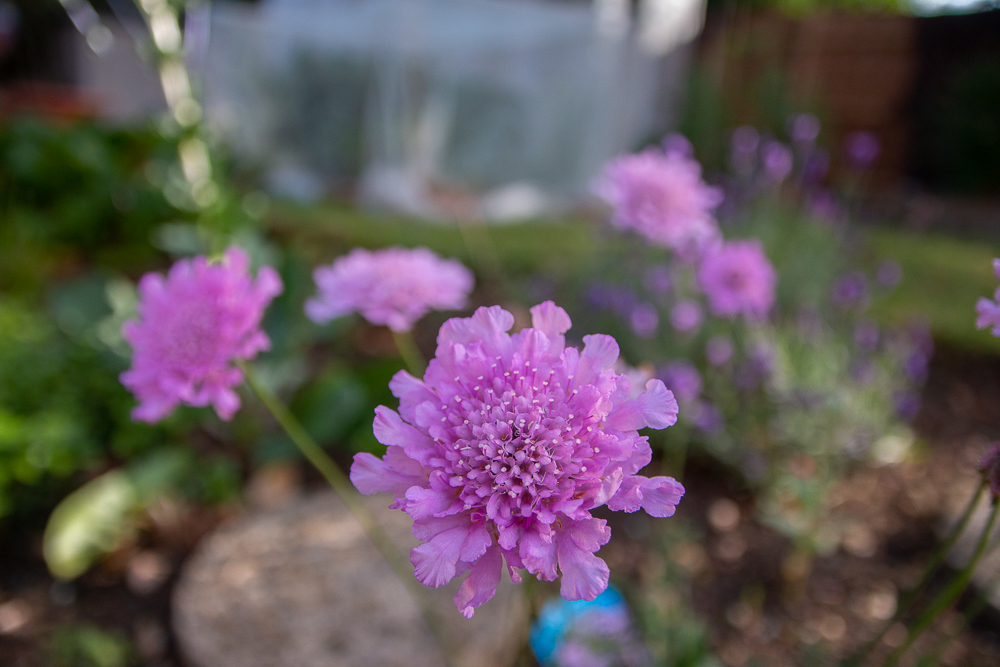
[303, 586]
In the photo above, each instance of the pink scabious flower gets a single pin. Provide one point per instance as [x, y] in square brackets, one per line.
[504, 447]
[394, 286]
[661, 195]
[988, 311]
[738, 279]
[193, 324]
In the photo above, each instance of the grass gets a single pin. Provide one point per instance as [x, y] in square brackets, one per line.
[943, 277]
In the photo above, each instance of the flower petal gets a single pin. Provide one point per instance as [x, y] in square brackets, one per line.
[481, 584]
[435, 561]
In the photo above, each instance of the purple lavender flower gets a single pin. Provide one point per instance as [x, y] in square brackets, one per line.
[658, 279]
[851, 290]
[777, 161]
[824, 206]
[990, 467]
[718, 350]
[645, 320]
[738, 279]
[505, 446]
[683, 379]
[862, 148]
[889, 273]
[989, 311]
[661, 195]
[866, 335]
[863, 371]
[907, 405]
[193, 325]
[805, 128]
[707, 417]
[394, 286]
[686, 316]
[816, 166]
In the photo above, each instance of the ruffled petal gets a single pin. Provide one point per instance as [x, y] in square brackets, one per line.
[599, 352]
[481, 584]
[584, 575]
[435, 561]
[538, 553]
[656, 407]
[389, 429]
[552, 321]
[370, 474]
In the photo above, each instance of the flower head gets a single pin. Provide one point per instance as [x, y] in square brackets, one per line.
[661, 195]
[683, 379]
[193, 324]
[988, 311]
[862, 148]
[394, 286]
[738, 279]
[506, 444]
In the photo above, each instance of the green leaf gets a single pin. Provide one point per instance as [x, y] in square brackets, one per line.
[88, 523]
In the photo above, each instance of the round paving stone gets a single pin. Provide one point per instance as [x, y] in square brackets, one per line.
[303, 586]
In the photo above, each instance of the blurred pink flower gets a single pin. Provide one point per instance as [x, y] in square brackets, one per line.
[686, 316]
[505, 446]
[661, 195]
[193, 324]
[988, 311]
[738, 279]
[394, 286]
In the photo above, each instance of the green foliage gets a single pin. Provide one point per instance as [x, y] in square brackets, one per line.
[88, 646]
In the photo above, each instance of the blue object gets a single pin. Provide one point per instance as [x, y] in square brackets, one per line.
[556, 618]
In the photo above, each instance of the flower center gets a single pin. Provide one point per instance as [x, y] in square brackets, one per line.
[516, 444]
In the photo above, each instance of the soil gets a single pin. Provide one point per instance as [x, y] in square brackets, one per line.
[764, 603]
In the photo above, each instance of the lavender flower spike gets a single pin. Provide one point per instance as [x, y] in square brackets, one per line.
[988, 311]
[394, 286]
[502, 449]
[661, 195]
[738, 279]
[193, 324]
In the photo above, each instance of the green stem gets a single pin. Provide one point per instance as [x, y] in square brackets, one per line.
[410, 353]
[345, 489]
[932, 567]
[948, 595]
[988, 592]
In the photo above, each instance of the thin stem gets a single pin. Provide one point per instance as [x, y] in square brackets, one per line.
[410, 353]
[345, 489]
[932, 567]
[987, 594]
[948, 595]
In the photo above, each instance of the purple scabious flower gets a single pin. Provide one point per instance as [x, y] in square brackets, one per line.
[988, 311]
[738, 279]
[502, 449]
[686, 316]
[683, 379]
[394, 287]
[193, 324]
[645, 320]
[661, 195]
